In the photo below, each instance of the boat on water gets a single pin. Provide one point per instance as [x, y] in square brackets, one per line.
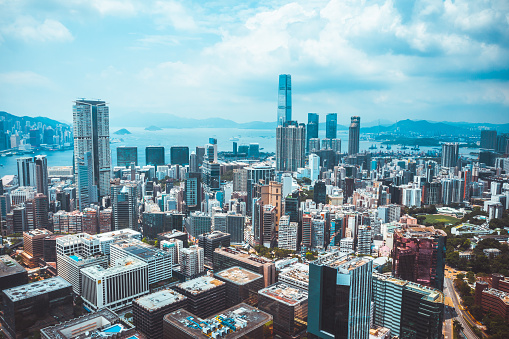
[388, 147]
[372, 146]
[381, 146]
[415, 148]
[404, 147]
[234, 139]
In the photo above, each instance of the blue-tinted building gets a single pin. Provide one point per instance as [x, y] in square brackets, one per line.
[331, 126]
[284, 106]
[179, 155]
[312, 128]
[339, 304]
[154, 155]
[127, 155]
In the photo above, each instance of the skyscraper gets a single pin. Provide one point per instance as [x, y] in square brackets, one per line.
[179, 155]
[489, 139]
[450, 151]
[154, 155]
[290, 146]
[34, 172]
[339, 301]
[127, 155]
[353, 136]
[284, 106]
[419, 255]
[91, 126]
[312, 128]
[87, 191]
[331, 126]
[125, 210]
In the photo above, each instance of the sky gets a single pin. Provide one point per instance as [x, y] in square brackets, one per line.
[389, 60]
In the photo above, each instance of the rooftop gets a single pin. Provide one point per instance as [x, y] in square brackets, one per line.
[200, 284]
[243, 256]
[429, 293]
[342, 261]
[297, 271]
[420, 232]
[160, 299]
[38, 232]
[121, 265]
[284, 293]
[172, 234]
[9, 266]
[238, 275]
[36, 288]
[214, 235]
[498, 293]
[233, 323]
[138, 248]
[81, 327]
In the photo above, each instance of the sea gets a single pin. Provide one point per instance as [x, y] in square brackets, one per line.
[193, 137]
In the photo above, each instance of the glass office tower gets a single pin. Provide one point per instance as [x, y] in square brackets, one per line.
[284, 107]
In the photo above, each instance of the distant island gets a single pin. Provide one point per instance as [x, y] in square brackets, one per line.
[122, 131]
[153, 128]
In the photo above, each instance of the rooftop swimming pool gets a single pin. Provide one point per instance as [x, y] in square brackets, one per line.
[114, 329]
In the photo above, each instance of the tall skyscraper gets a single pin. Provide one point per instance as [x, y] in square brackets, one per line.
[290, 146]
[193, 191]
[91, 126]
[125, 209]
[331, 126]
[312, 128]
[419, 255]
[87, 191]
[353, 136]
[34, 172]
[154, 155]
[339, 301]
[284, 106]
[127, 155]
[489, 139]
[450, 152]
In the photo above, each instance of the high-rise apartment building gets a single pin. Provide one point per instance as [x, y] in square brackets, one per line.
[124, 205]
[127, 155]
[354, 133]
[290, 146]
[87, 190]
[91, 127]
[450, 153]
[284, 105]
[331, 126]
[210, 241]
[408, 309]
[34, 172]
[287, 234]
[198, 223]
[339, 303]
[312, 128]
[154, 155]
[419, 255]
[193, 191]
[192, 261]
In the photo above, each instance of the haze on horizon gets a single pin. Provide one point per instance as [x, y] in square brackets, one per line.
[389, 60]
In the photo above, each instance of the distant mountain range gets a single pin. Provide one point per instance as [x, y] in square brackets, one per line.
[45, 121]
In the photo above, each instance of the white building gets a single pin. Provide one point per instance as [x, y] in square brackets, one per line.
[314, 167]
[192, 261]
[364, 240]
[287, 234]
[174, 246]
[159, 261]
[117, 286]
[346, 245]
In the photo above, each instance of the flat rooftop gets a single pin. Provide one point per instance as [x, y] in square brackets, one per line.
[159, 299]
[238, 275]
[173, 233]
[342, 261]
[9, 266]
[285, 294]
[38, 232]
[420, 232]
[243, 256]
[122, 264]
[200, 284]
[501, 295]
[36, 288]
[298, 271]
[81, 327]
[233, 323]
[429, 293]
[215, 234]
[138, 248]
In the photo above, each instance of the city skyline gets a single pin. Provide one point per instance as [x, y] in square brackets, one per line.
[390, 60]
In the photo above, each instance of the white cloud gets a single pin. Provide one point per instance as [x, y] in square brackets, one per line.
[115, 7]
[172, 13]
[24, 78]
[28, 29]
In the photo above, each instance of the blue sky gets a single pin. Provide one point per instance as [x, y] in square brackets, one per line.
[390, 60]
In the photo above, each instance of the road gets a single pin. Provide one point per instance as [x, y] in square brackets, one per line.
[457, 312]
